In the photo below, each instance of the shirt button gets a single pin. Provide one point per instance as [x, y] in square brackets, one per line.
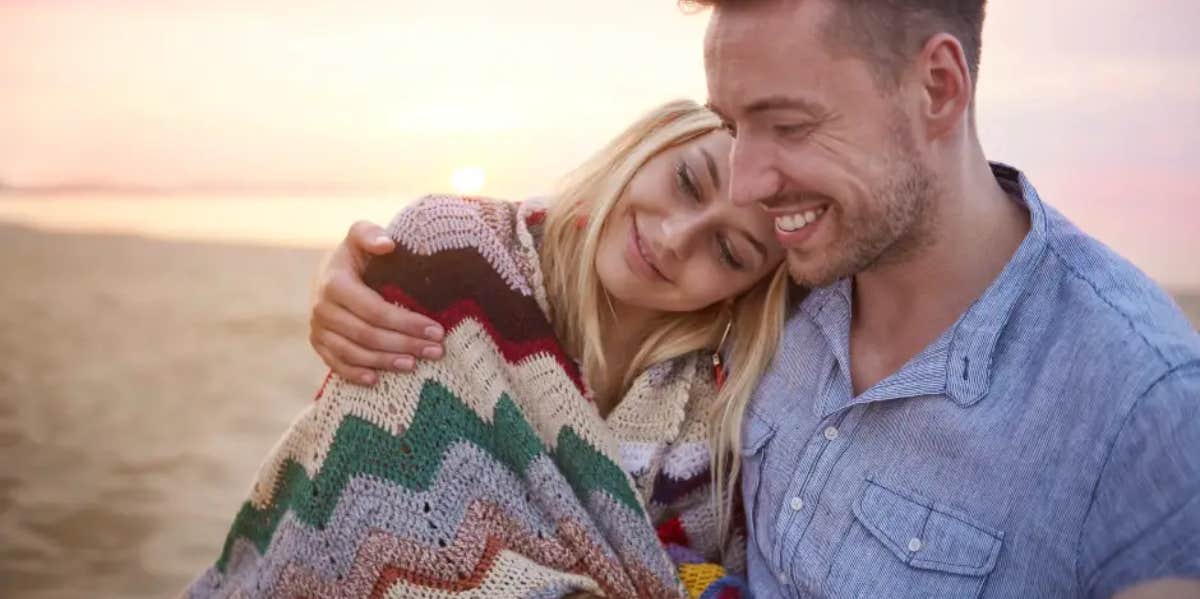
[914, 544]
[831, 433]
[797, 504]
[783, 579]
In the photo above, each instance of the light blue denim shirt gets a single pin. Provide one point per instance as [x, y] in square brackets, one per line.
[1047, 445]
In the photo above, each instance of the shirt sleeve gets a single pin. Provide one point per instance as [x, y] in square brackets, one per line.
[1144, 519]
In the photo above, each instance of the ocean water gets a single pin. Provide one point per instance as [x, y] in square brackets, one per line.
[284, 220]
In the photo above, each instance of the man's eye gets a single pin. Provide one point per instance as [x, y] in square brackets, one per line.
[792, 130]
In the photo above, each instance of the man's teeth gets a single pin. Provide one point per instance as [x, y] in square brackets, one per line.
[795, 222]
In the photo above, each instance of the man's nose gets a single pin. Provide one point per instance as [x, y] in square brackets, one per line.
[752, 176]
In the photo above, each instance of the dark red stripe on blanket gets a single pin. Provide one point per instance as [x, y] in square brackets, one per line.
[324, 383]
[513, 350]
[453, 284]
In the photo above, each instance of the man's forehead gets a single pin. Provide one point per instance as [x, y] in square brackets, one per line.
[745, 88]
[766, 57]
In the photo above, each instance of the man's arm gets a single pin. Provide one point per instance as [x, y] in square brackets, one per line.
[1141, 537]
[352, 328]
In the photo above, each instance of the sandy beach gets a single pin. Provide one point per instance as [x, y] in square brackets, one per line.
[142, 382]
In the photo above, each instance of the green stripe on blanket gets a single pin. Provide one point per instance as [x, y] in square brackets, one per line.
[413, 458]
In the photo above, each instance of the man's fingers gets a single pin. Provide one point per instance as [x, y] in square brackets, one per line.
[362, 301]
[341, 321]
[370, 238]
[370, 307]
[358, 376]
[354, 356]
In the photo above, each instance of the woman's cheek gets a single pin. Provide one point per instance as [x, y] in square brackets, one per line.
[709, 291]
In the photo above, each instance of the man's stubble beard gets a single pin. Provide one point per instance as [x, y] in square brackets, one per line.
[899, 222]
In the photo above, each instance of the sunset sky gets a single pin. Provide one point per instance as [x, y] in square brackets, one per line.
[1098, 101]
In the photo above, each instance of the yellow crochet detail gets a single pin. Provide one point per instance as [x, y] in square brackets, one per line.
[697, 577]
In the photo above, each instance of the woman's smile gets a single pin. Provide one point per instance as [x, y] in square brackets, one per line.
[638, 256]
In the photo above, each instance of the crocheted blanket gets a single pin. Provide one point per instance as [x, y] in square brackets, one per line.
[486, 474]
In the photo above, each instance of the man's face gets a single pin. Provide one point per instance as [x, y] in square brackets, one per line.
[819, 143]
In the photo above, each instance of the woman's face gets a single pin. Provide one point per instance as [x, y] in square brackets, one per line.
[675, 243]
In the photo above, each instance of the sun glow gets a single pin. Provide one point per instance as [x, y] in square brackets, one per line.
[468, 179]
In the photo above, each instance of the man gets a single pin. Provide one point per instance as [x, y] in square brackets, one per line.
[976, 399]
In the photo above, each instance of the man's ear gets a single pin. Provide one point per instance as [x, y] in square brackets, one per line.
[945, 80]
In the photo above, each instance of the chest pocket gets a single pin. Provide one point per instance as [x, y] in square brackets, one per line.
[899, 546]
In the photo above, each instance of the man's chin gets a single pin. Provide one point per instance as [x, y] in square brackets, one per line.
[815, 272]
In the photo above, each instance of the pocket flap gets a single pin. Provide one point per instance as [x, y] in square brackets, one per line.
[925, 535]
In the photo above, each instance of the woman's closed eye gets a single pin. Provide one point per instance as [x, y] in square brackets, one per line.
[728, 255]
[685, 181]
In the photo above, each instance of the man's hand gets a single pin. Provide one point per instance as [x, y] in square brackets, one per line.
[353, 329]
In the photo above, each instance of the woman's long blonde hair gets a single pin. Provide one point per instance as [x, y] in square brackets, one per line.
[579, 301]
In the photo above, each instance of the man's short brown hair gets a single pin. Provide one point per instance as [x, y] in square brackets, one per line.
[887, 33]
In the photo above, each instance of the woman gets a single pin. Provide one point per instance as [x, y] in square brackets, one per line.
[577, 407]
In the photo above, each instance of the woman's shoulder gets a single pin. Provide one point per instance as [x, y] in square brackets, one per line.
[436, 223]
[452, 240]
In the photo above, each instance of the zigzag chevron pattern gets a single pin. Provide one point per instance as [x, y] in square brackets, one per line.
[487, 474]
[547, 395]
[410, 461]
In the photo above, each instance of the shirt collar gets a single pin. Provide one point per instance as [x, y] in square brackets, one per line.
[973, 338]
[960, 362]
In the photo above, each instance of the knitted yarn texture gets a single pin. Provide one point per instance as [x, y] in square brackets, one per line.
[488, 473]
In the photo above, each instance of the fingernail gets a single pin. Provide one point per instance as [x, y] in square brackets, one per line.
[432, 352]
[434, 333]
[403, 363]
[383, 239]
[367, 379]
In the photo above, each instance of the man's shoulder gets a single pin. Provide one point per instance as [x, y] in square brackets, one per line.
[1106, 297]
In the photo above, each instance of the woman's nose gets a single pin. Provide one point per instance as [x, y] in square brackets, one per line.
[677, 232]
